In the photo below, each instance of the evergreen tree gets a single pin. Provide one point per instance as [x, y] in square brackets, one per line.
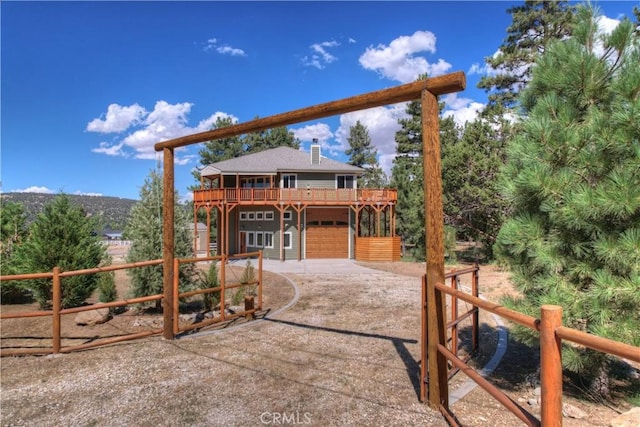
[144, 229]
[63, 236]
[470, 168]
[363, 155]
[408, 179]
[221, 149]
[535, 24]
[13, 228]
[573, 179]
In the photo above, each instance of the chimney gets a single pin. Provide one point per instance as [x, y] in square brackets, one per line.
[315, 152]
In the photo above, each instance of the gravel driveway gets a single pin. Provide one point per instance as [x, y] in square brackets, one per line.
[345, 353]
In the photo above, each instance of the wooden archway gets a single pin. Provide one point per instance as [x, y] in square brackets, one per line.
[427, 91]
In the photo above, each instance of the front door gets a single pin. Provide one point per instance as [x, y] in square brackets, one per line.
[243, 242]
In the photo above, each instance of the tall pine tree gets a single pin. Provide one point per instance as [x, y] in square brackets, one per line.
[408, 179]
[535, 24]
[573, 179]
[470, 168]
[363, 155]
[144, 229]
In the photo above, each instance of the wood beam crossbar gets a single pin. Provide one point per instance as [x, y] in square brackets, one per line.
[441, 85]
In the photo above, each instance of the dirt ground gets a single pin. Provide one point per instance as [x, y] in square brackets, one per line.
[340, 350]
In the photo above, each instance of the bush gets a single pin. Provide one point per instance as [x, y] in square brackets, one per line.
[209, 280]
[107, 288]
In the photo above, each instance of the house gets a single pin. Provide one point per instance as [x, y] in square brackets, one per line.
[200, 240]
[296, 205]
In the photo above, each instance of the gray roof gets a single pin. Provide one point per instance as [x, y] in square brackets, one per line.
[277, 160]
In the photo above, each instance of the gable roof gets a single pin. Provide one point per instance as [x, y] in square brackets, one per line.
[277, 160]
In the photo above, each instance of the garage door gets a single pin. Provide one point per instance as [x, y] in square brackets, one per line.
[327, 233]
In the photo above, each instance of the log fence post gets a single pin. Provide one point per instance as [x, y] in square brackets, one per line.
[57, 303]
[550, 366]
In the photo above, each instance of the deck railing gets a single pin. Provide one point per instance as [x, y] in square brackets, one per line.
[295, 195]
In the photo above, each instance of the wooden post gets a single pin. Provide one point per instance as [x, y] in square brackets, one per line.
[248, 306]
[434, 230]
[57, 303]
[475, 319]
[454, 315]
[168, 243]
[550, 366]
[223, 284]
[424, 338]
[176, 299]
[260, 280]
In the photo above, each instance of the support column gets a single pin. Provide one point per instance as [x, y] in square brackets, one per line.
[168, 214]
[434, 230]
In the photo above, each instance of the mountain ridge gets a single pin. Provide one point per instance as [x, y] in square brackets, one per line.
[113, 212]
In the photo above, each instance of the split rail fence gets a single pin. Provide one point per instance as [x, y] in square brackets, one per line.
[436, 354]
[56, 312]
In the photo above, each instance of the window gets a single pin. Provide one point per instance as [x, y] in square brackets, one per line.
[250, 239]
[243, 216]
[259, 216]
[288, 181]
[259, 241]
[268, 216]
[268, 239]
[344, 181]
[287, 240]
[288, 215]
[251, 216]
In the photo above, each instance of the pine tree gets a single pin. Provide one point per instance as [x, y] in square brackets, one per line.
[573, 179]
[363, 155]
[144, 229]
[408, 179]
[13, 228]
[470, 168]
[535, 24]
[63, 236]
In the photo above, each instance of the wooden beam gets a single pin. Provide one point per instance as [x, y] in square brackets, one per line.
[434, 230]
[448, 83]
[168, 215]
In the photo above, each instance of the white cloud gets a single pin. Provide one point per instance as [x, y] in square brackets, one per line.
[227, 50]
[110, 150]
[382, 125]
[212, 44]
[320, 131]
[321, 56]
[166, 121]
[397, 61]
[34, 189]
[117, 119]
[80, 193]
[462, 109]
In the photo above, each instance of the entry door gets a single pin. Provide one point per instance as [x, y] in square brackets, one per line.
[243, 242]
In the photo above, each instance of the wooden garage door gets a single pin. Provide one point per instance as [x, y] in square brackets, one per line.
[328, 233]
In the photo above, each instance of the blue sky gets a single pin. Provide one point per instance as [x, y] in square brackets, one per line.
[87, 88]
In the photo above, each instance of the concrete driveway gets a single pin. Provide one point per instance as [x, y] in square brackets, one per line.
[310, 266]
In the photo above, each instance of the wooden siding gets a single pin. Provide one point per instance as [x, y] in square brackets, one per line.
[378, 248]
[316, 180]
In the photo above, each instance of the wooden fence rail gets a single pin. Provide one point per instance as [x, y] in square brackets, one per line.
[551, 335]
[57, 312]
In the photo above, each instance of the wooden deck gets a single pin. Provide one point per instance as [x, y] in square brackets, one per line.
[290, 196]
